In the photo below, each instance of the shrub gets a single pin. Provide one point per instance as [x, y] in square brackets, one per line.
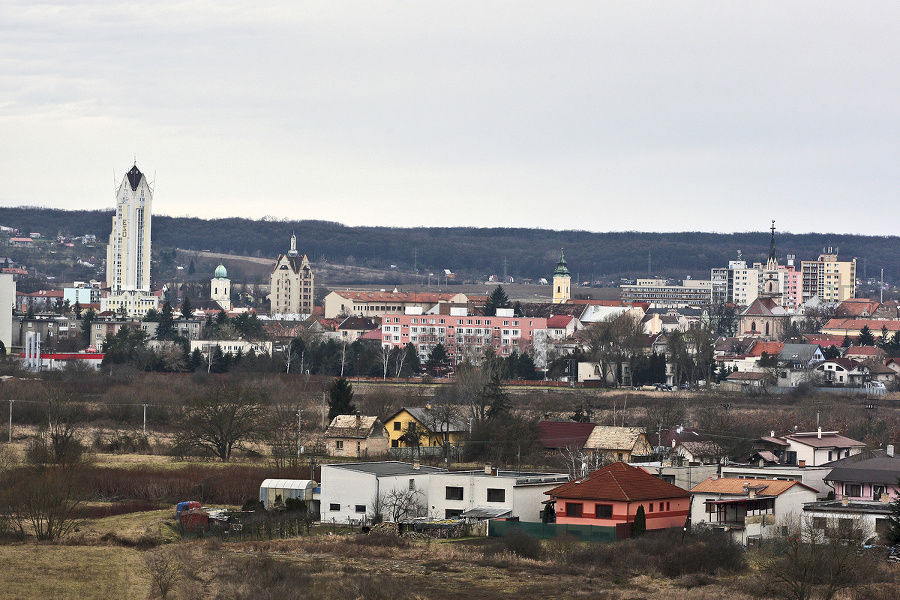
[520, 543]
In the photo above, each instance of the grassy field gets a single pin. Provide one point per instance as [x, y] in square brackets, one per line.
[100, 561]
[71, 572]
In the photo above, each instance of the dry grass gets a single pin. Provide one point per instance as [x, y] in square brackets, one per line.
[71, 572]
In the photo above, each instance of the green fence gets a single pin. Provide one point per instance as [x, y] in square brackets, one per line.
[550, 531]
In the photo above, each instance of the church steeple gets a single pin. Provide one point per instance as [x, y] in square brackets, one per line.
[773, 258]
[562, 281]
[293, 250]
[561, 267]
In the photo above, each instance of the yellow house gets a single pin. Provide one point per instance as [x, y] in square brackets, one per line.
[411, 427]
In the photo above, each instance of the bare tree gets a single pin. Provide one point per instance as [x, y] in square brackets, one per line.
[385, 356]
[580, 463]
[220, 420]
[42, 501]
[402, 503]
[816, 557]
[165, 566]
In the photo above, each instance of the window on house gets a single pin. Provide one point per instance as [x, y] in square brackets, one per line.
[334, 507]
[452, 513]
[878, 491]
[398, 426]
[604, 511]
[574, 509]
[496, 495]
[360, 508]
[339, 444]
[454, 493]
[819, 522]
[853, 490]
[651, 508]
[412, 484]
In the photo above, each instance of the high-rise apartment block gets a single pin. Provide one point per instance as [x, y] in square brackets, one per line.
[128, 254]
[828, 278]
[292, 282]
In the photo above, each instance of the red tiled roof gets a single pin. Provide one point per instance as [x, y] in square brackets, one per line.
[620, 482]
[562, 434]
[770, 348]
[853, 326]
[559, 321]
[375, 334]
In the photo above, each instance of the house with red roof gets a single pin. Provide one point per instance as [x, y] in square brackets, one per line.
[611, 497]
[852, 327]
[749, 509]
[561, 327]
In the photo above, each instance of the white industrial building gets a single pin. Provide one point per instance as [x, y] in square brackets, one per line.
[349, 491]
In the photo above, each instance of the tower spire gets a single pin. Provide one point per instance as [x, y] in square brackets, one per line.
[773, 258]
[293, 250]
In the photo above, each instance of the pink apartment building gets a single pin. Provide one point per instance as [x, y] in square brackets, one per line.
[462, 335]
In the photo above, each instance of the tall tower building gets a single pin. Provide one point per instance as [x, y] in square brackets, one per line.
[220, 288]
[562, 281]
[773, 276]
[292, 283]
[128, 253]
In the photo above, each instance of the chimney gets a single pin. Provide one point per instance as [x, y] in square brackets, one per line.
[820, 433]
[772, 433]
[487, 469]
[845, 501]
[889, 450]
[357, 420]
[801, 463]
[417, 465]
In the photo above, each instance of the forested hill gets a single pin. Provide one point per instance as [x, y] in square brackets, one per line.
[475, 252]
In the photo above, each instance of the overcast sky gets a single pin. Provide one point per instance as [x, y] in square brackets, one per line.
[604, 116]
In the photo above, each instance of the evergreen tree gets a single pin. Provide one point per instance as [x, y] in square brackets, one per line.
[495, 395]
[847, 341]
[165, 330]
[437, 359]
[87, 322]
[497, 299]
[77, 309]
[639, 526]
[340, 398]
[893, 521]
[191, 268]
[884, 340]
[831, 352]
[866, 338]
[186, 308]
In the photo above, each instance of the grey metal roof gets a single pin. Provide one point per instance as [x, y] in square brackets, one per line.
[484, 512]
[798, 352]
[387, 468]
[884, 470]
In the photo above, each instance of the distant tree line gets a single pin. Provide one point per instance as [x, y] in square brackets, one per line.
[528, 253]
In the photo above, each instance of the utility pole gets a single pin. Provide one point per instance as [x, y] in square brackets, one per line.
[145, 420]
[323, 410]
[299, 428]
[10, 420]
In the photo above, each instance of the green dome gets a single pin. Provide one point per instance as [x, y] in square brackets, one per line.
[562, 270]
[221, 273]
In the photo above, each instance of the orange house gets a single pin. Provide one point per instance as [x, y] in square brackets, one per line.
[611, 496]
